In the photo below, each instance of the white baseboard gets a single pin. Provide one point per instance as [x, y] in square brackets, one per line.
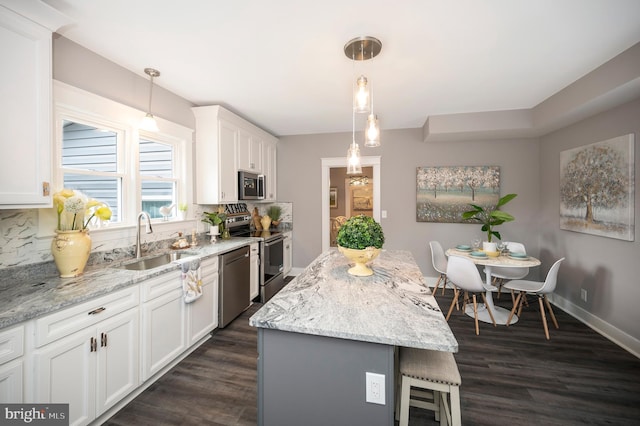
[617, 336]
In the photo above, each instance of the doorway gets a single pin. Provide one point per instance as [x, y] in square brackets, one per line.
[359, 200]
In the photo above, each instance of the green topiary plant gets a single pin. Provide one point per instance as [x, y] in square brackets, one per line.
[360, 232]
[274, 212]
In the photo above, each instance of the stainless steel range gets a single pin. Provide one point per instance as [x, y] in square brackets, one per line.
[271, 249]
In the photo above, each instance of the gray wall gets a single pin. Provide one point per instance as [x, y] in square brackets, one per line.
[82, 68]
[607, 268]
[402, 151]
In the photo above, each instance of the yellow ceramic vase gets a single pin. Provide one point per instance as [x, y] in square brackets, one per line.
[70, 250]
[265, 222]
[360, 258]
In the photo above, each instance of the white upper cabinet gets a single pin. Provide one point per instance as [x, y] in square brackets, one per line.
[226, 143]
[250, 155]
[269, 171]
[216, 152]
[25, 103]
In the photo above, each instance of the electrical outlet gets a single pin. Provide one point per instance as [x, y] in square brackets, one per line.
[375, 388]
[583, 294]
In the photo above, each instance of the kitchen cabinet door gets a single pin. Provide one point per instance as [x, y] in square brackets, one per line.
[270, 170]
[216, 152]
[25, 113]
[11, 377]
[118, 364]
[254, 259]
[65, 372]
[203, 312]
[288, 253]
[249, 152]
[163, 331]
[228, 169]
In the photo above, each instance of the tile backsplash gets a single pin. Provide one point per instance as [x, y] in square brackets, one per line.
[20, 244]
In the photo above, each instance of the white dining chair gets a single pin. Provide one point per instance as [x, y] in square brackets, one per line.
[540, 289]
[501, 273]
[463, 273]
[439, 261]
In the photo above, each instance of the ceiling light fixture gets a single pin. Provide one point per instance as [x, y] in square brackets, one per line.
[148, 123]
[359, 180]
[362, 49]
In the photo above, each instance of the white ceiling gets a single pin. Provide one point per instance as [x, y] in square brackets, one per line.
[281, 63]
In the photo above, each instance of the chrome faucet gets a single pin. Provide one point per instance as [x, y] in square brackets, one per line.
[149, 231]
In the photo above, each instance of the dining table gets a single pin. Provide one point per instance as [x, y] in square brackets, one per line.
[505, 261]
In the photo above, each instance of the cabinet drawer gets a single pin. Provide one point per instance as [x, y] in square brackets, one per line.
[11, 344]
[160, 285]
[68, 321]
[209, 266]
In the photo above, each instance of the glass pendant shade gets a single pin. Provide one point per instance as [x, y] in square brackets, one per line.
[372, 132]
[148, 123]
[361, 96]
[354, 166]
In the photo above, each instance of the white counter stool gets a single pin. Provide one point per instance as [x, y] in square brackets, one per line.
[436, 372]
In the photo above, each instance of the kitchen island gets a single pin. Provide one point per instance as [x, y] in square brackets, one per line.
[321, 334]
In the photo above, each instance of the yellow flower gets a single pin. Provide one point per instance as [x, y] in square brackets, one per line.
[73, 206]
[104, 213]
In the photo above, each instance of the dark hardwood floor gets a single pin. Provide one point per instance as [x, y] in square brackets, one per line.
[510, 376]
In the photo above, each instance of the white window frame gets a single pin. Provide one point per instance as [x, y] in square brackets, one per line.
[73, 104]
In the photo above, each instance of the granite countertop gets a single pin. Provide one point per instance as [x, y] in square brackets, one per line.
[24, 298]
[393, 307]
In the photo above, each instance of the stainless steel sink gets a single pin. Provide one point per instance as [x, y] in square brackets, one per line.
[155, 261]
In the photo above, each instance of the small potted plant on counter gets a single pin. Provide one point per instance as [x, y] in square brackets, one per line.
[490, 217]
[360, 239]
[274, 212]
[216, 223]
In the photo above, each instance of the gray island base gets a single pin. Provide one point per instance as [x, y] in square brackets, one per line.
[326, 329]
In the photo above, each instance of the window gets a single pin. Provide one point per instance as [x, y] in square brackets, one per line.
[158, 184]
[100, 151]
[89, 160]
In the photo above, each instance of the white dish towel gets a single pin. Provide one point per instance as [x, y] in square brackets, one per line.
[191, 280]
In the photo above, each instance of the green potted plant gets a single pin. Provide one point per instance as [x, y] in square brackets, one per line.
[216, 223]
[490, 217]
[182, 210]
[360, 239]
[274, 212]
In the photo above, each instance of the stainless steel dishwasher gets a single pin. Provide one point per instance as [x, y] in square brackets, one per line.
[235, 279]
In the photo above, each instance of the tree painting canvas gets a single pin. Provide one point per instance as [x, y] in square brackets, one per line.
[597, 188]
[444, 193]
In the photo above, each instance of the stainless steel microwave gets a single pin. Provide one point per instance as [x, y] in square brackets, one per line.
[250, 186]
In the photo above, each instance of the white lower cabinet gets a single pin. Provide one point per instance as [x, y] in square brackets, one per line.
[91, 369]
[287, 253]
[163, 322]
[254, 260]
[11, 365]
[202, 314]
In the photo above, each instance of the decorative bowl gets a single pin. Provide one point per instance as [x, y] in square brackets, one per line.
[360, 258]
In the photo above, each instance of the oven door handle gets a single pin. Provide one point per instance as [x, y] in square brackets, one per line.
[272, 242]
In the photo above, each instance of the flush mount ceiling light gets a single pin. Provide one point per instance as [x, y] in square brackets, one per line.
[362, 49]
[148, 123]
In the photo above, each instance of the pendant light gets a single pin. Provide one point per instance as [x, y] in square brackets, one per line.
[148, 123]
[372, 131]
[362, 49]
[354, 166]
